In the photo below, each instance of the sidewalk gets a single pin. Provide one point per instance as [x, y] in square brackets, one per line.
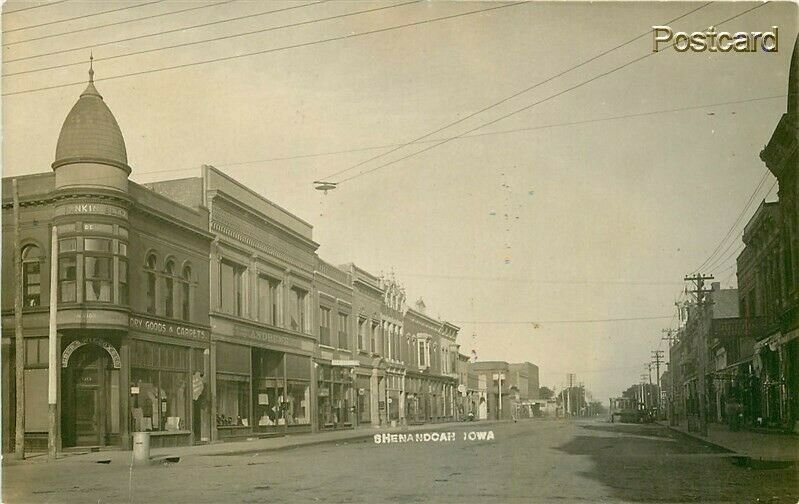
[756, 445]
[116, 456]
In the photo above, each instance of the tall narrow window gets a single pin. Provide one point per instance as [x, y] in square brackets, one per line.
[298, 310]
[343, 335]
[123, 281]
[185, 299]
[373, 338]
[31, 276]
[231, 288]
[150, 282]
[67, 279]
[324, 326]
[169, 289]
[268, 300]
[362, 328]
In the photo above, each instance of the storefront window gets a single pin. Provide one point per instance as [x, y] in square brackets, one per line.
[233, 385]
[298, 398]
[334, 396]
[233, 393]
[364, 399]
[161, 374]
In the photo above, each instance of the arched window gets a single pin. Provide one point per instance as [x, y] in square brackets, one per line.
[169, 289]
[31, 276]
[186, 294]
[151, 282]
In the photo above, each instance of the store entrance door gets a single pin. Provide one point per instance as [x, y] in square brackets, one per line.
[90, 398]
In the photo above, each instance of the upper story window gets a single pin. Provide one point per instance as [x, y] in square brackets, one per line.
[231, 288]
[373, 337]
[268, 300]
[324, 326]
[169, 289]
[423, 353]
[298, 309]
[185, 298]
[363, 327]
[151, 282]
[343, 335]
[31, 276]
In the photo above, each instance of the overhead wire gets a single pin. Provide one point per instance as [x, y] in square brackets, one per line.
[541, 322]
[277, 49]
[527, 107]
[737, 221]
[514, 130]
[117, 23]
[48, 4]
[84, 16]
[156, 34]
[507, 98]
[231, 36]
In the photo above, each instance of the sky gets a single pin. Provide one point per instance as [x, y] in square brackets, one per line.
[521, 231]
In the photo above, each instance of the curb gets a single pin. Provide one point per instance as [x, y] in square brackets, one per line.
[358, 437]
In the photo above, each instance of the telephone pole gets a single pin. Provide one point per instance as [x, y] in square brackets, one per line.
[657, 355]
[700, 291]
[19, 342]
[670, 338]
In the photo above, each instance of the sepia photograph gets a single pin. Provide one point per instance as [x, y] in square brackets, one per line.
[406, 251]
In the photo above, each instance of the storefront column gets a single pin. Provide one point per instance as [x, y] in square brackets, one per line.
[314, 397]
[124, 394]
[402, 400]
[374, 403]
[212, 398]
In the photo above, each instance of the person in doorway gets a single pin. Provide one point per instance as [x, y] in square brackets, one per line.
[482, 409]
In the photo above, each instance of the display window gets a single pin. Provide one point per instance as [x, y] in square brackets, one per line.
[334, 396]
[160, 375]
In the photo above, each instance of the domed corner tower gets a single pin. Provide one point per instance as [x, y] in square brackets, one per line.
[91, 150]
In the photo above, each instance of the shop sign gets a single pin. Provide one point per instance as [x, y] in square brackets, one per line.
[344, 363]
[167, 328]
[108, 347]
[323, 392]
[267, 337]
[92, 208]
[134, 390]
[752, 327]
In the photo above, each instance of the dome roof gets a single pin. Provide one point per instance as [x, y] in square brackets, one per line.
[90, 133]
[793, 80]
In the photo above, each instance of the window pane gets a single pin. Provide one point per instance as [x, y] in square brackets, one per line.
[233, 400]
[123, 281]
[68, 245]
[123, 232]
[298, 399]
[31, 351]
[226, 288]
[123, 249]
[98, 278]
[96, 245]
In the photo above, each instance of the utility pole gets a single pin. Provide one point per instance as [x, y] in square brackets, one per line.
[670, 338]
[657, 355]
[700, 291]
[52, 370]
[19, 343]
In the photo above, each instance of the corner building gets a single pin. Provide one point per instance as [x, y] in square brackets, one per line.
[132, 317]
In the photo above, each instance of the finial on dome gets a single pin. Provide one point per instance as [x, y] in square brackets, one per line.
[91, 67]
